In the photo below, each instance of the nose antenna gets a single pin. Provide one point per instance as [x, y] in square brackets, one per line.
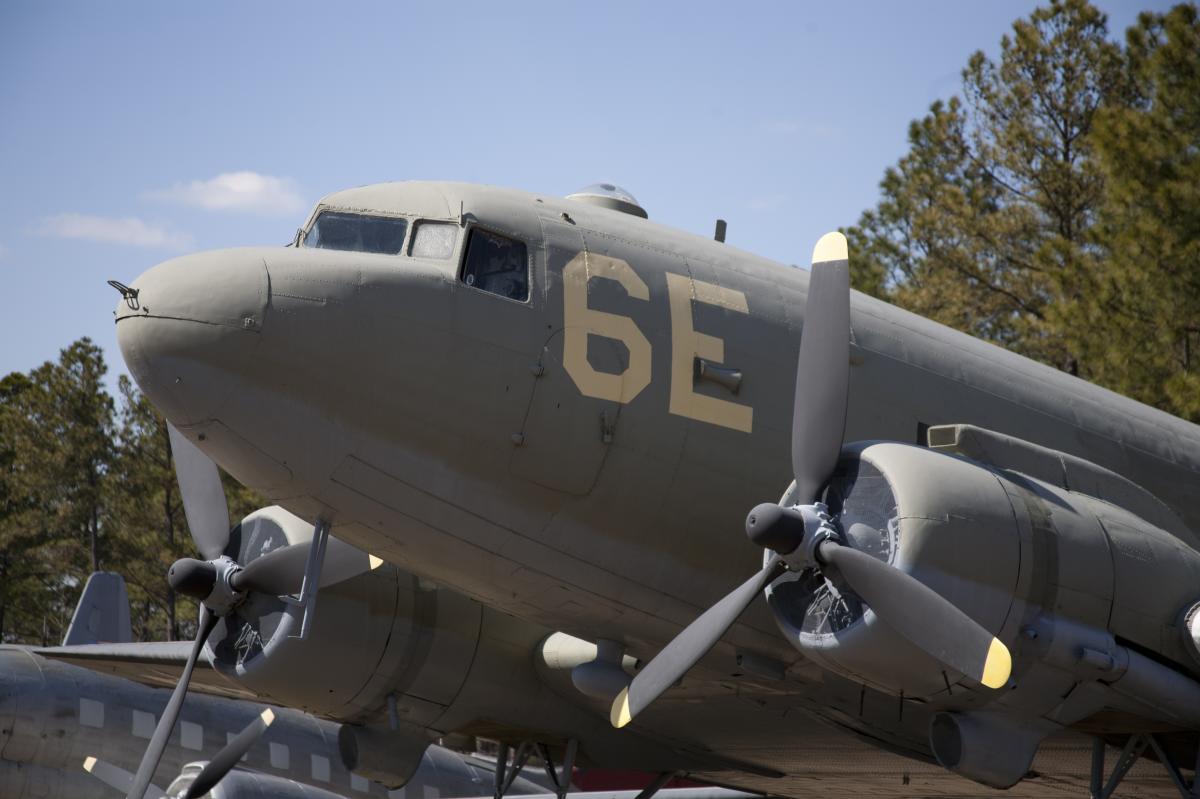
[128, 294]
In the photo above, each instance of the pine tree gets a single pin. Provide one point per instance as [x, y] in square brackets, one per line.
[984, 224]
[57, 432]
[149, 514]
[1140, 328]
[27, 572]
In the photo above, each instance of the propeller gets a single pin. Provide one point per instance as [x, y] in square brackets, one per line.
[805, 535]
[158, 742]
[212, 773]
[224, 760]
[118, 778]
[220, 584]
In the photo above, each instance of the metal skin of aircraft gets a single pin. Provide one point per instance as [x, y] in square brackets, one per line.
[54, 716]
[399, 662]
[564, 411]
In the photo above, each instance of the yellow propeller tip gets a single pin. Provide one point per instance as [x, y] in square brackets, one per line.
[267, 716]
[375, 561]
[831, 247]
[998, 666]
[619, 716]
[89, 763]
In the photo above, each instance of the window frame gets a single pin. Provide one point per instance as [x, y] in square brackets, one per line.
[424, 220]
[405, 243]
[466, 249]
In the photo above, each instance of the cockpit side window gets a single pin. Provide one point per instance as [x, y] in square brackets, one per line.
[433, 239]
[497, 264]
[337, 230]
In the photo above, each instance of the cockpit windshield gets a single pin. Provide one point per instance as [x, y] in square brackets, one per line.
[337, 230]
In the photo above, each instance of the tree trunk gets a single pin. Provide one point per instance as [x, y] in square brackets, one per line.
[172, 621]
[94, 533]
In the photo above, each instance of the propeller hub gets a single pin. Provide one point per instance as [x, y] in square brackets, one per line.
[775, 527]
[207, 581]
[191, 577]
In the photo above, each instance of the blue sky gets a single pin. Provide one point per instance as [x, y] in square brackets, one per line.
[130, 133]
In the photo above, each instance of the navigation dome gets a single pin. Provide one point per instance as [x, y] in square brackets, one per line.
[610, 195]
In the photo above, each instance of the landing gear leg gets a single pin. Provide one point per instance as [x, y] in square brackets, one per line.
[1185, 790]
[656, 784]
[1133, 749]
[561, 783]
[501, 765]
[506, 775]
[1129, 755]
[1096, 784]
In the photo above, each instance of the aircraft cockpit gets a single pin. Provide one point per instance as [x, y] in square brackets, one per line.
[491, 262]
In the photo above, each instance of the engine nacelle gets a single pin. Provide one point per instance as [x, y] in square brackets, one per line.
[370, 637]
[944, 520]
[1006, 548]
[401, 661]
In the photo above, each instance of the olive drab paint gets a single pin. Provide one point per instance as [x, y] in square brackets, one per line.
[565, 460]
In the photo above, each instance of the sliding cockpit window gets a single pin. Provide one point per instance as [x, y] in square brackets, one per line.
[497, 264]
[338, 230]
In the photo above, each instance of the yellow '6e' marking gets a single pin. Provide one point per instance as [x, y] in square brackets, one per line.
[581, 321]
[686, 342]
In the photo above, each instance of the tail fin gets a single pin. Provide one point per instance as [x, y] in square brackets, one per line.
[102, 616]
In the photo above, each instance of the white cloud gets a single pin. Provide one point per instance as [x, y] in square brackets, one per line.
[112, 230]
[237, 191]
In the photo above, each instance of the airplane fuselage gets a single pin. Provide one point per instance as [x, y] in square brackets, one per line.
[582, 456]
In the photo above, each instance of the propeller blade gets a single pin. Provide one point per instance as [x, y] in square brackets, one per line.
[203, 496]
[166, 724]
[669, 665]
[822, 370]
[224, 761]
[281, 571]
[922, 615]
[116, 777]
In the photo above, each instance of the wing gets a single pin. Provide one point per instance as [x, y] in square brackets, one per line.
[156, 664]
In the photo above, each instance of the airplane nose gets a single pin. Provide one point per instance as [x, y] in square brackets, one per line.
[191, 328]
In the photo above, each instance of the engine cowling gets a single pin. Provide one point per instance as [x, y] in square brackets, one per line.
[370, 636]
[1015, 553]
[945, 521]
[401, 661]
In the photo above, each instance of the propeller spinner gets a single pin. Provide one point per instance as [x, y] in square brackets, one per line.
[805, 535]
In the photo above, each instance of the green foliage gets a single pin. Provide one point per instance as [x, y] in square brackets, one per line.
[1140, 328]
[57, 433]
[84, 486]
[1055, 208]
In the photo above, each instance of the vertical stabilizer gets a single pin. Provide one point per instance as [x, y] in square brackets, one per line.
[102, 616]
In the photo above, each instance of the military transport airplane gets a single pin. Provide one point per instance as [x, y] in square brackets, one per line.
[564, 411]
